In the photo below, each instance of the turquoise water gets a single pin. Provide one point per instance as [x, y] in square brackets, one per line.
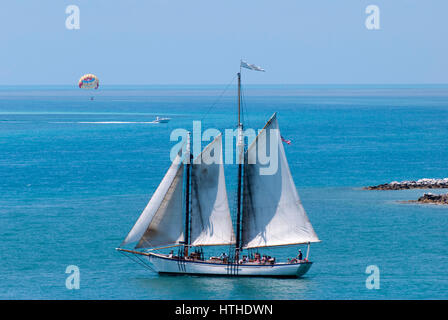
[72, 186]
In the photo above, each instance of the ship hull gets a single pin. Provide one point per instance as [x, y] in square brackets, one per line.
[165, 265]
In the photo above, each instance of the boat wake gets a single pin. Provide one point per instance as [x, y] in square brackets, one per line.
[117, 122]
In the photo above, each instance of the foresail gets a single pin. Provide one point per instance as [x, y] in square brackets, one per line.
[272, 212]
[161, 223]
[211, 223]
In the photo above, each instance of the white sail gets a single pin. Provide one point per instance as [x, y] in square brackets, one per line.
[211, 223]
[161, 223]
[272, 212]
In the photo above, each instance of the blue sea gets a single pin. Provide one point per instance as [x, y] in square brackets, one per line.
[75, 175]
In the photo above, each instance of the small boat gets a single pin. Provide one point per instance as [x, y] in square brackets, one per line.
[162, 120]
[189, 210]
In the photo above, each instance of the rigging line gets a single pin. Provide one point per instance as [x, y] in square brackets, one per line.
[242, 105]
[218, 99]
[134, 260]
[245, 113]
[244, 117]
[142, 263]
[146, 264]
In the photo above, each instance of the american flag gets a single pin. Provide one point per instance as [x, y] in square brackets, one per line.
[285, 140]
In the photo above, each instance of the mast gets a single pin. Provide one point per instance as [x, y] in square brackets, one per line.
[239, 98]
[240, 166]
[187, 197]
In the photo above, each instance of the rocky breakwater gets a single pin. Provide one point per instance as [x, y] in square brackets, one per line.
[419, 184]
[433, 198]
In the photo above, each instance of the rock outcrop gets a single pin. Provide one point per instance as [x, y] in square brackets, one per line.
[419, 184]
[433, 198]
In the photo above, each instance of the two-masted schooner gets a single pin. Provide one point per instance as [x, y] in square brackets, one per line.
[190, 210]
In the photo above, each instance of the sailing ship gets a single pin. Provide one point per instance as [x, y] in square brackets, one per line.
[190, 210]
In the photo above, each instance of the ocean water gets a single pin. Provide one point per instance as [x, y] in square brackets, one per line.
[75, 174]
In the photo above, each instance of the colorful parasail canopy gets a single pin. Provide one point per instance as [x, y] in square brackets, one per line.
[89, 81]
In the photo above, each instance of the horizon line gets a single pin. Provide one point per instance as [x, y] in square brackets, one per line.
[224, 84]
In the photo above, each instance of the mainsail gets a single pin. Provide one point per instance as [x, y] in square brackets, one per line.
[272, 212]
[211, 223]
[161, 222]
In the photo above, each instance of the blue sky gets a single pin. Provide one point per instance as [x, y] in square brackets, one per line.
[202, 41]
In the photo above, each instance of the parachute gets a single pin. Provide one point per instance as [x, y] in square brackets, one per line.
[89, 81]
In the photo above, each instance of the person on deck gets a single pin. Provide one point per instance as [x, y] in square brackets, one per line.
[243, 260]
[223, 257]
[171, 254]
[299, 256]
